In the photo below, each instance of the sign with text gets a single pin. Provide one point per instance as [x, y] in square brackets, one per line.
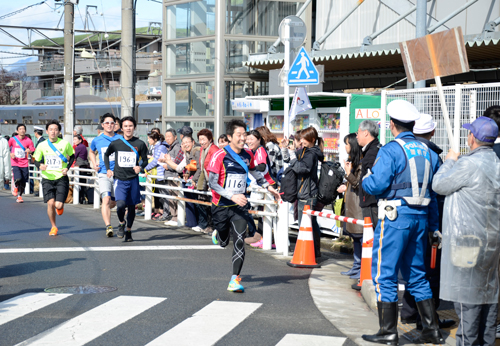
[367, 113]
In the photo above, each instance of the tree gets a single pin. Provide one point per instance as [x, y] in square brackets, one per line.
[9, 95]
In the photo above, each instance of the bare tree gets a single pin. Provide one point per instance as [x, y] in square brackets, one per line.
[9, 95]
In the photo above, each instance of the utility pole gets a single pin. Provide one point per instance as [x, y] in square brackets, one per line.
[127, 56]
[421, 27]
[69, 73]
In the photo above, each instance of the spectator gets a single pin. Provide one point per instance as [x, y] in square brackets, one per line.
[175, 155]
[289, 150]
[81, 161]
[273, 150]
[5, 168]
[185, 131]
[159, 150]
[208, 148]
[367, 139]
[471, 242]
[117, 127]
[38, 135]
[78, 130]
[351, 200]
[99, 129]
[223, 141]
[306, 168]
[188, 169]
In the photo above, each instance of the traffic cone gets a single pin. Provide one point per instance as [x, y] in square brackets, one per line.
[366, 252]
[303, 256]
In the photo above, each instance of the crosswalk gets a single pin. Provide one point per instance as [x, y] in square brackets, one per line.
[205, 327]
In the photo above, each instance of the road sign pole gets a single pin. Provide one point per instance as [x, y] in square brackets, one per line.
[286, 132]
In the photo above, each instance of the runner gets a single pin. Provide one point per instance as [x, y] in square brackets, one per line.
[20, 148]
[53, 157]
[100, 144]
[128, 151]
[228, 179]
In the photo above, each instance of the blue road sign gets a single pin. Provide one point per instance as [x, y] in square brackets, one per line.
[303, 71]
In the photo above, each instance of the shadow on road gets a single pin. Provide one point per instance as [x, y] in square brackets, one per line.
[19, 269]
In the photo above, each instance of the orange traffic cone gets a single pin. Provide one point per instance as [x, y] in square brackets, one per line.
[366, 252]
[303, 256]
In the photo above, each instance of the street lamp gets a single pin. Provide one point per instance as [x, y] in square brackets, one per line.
[79, 80]
[11, 84]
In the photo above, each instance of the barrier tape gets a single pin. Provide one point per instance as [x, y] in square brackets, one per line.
[335, 217]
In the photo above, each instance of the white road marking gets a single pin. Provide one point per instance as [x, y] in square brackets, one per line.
[208, 325]
[91, 324]
[111, 248]
[311, 340]
[25, 304]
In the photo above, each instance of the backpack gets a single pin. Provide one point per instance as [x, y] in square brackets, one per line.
[289, 188]
[331, 177]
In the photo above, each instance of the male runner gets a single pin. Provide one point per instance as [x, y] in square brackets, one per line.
[228, 178]
[53, 157]
[20, 148]
[100, 144]
[128, 151]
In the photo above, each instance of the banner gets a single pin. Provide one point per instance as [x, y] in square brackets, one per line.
[300, 103]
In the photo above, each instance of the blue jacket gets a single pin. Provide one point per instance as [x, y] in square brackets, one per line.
[391, 161]
[158, 151]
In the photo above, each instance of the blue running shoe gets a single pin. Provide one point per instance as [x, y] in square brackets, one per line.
[234, 285]
[214, 237]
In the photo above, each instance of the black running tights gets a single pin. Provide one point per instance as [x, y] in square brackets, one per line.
[239, 228]
[120, 211]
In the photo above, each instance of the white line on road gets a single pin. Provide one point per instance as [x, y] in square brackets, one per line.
[90, 325]
[310, 340]
[208, 325]
[25, 304]
[112, 248]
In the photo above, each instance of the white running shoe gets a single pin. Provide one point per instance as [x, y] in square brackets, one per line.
[170, 223]
[197, 229]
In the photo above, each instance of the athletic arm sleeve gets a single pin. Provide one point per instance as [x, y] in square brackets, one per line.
[261, 167]
[213, 182]
[259, 178]
[70, 161]
[143, 153]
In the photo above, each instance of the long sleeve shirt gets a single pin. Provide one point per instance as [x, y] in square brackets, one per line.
[126, 159]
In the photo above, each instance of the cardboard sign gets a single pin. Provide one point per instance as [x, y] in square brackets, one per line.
[441, 54]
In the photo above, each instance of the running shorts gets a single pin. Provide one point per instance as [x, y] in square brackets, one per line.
[128, 191]
[55, 189]
[106, 186]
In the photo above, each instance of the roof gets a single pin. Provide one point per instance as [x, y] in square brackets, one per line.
[113, 36]
[379, 58]
[60, 99]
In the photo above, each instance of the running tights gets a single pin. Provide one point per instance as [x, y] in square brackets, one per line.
[120, 211]
[239, 228]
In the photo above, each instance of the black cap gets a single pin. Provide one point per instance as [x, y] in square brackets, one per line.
[185, 131]
[99, 127]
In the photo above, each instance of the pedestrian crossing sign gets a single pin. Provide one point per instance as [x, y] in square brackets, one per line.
[303, 71]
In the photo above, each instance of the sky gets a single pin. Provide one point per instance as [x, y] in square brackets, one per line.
[48, 14]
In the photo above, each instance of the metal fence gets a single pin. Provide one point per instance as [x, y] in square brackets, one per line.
[465, 103]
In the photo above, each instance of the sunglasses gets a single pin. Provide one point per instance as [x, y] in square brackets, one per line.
[109, 123]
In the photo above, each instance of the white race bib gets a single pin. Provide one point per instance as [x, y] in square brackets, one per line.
[53, 162]
[127, 159]
[19, 153]
[111, 157]
[236, 183]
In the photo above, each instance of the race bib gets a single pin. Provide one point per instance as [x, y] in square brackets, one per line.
[19, 153]
[53, 162]
[127, 159]
[236, 183]
[111, 157]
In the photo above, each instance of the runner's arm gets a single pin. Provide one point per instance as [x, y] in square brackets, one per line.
[213, 182]
[70, 161]
[143, 153]
[92, 158]
[38, 163]
[261, 167]
[259, 177]
[108, 152]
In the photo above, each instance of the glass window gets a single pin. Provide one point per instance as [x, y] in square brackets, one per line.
[190, 99]
[195, 125]
[242, 89]
[238, 51]
[253, 17]
[190, 58]
[191, 19]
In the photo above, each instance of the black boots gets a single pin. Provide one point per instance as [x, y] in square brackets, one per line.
[388, 322]
[430, 323]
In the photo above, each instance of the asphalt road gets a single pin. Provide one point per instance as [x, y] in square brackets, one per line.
[157, 291]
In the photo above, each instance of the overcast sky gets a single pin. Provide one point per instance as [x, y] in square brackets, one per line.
[47, 16]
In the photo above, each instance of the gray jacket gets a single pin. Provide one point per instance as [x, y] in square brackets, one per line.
[5, 169]
[175, 148]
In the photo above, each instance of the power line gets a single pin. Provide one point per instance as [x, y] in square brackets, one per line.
[21, 10]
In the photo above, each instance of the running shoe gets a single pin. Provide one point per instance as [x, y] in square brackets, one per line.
[128, 237]
[257, 245]
[235, 286]
[141, 213]
[109, 231]
[53, 231]
[208, 230]
[171, 223]
[121, 230]
[15, 191]
[60, 211]
[197, 229]
[19, 199]
[214, 237]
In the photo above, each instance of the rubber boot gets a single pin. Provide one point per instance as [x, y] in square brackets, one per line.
[430, 332]
[388, 321]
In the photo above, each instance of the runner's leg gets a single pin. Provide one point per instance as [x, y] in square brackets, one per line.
[120, 211]
[130, 216]
[106, 210]
[51, 211]
[239, 228]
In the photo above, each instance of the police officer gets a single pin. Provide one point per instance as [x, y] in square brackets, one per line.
[401, 179]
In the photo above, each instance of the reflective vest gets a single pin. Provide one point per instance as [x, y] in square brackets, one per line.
[412, 184]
